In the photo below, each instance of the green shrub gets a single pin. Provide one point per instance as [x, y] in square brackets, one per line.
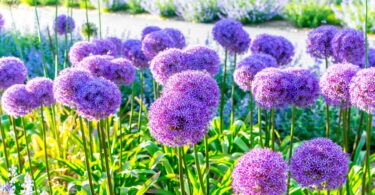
[134, 6]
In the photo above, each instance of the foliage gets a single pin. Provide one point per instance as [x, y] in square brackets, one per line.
[134, 6]
[164, 8]
[197, 10]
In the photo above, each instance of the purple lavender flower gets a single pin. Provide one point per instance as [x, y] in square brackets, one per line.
[156, 42]
[319, 163]
[230, 35]
[371, 57]
[335, 82]
[319, 41]
[2, 21]
[178, 120]
[167, 63]
[96, 64]
[18, 101]
[68, 82]
[97, 99]
[121, 71]
[362, 93]
[118, 45]
[348, 46]
[195, 84]
[248, 67]
[12, 71]
[42, 90]
[177, 37]
[81, 50]
[105, 47]
[271, 88]
[148, 30]
[202, 58]
[278, 47]
[64, 24]
[132, 50]
[260, 171]
[305, 86]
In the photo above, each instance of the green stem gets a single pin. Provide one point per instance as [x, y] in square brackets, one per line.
[109, 178]
[358, 134]
[328, 125]
[223, 83]
[40, 38]
[186, 170]
[260, 126]
[344, 130]
[45, 149]
[273, 128]
[338, 134]
[366, 36]
[181, 172]
[292, 126]
[29, 156]
[207, 164]
[131, 108]
[154, 89]
[88, 167]
[267, 130]
[56, 41]
[17, 143]
[368, 150]
[87, 19]
[100, 19]
[4, 141]
[232, 94]
[141, 102]
[90, 139]
[251, 119]
[101, 145]
[197, 165]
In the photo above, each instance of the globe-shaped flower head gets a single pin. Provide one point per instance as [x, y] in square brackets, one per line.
[335, 82]
[81, 50]
[2, 21]
[277, 46]
[362, 90]
[230, 35]
[18, 101]
[121, 71]
[105, 47]
[156, 42]
[271, 88]
[64, 24]
[202, 58]
[42, 90]
[305, 87]
[132, 50]
[12, 71]
[149, 29]
[319, 163]
[118, 45]
[260, 171]
[371, 57]
[319, 41]
[96, 64]
[177, 37]
[249, 67]
[348, 46]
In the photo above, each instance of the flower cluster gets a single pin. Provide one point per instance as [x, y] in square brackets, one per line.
[202, 58]
[63, 24]
[18, 101]
[362, 93]
[2, 21]
[42, 90]
[148, 30]
[12, 71]
[81, 50]
[319, 41]
[132, 50]
[371, 57]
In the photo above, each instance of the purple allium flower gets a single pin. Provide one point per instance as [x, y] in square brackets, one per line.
[156, 42]
[177, 37]
[105, 47]
[305, 87]
[319, 41]
[319, 163]
[167, 63]
[248, 67]
[12, 71]
[118, 45]
[335, 82]
[81, 50]
[371, 57]
[196, 84]
[277, 46]
[362, 90]
[63, 24]
[18, 101]
[178, 120]
[97, 99]
[260, 171]
[2, 21]
[148, 30]
[230, 35]
[42, 90]
[348, 46]
[68, 82]
[132, 50]
[121, 71]
[96, 64]
[271, 88]
[202, 58]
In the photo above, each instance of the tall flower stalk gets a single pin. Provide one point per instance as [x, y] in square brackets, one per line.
[40, 38]
[87, 158]
[199, 171]
[292, 126]
[45, 148]
[3, 140]
[140, 101]
[28, 155]
[180, 170]
[106, 156]
[223, 86]
[232, 95]
[17, 142]
[56, 41]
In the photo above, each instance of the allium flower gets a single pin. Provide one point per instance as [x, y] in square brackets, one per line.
[230, 35]
[105, 47]
[167, 63]
[96, 64]
[18, 101]
[348, 46]
[63, 24]
[118, 45]
[202, 58]
[371, 57]
[97, 99]
[362, 90]
[12, 71]
[81, 50]
[248, 67]
[335, 82]
[260, 171]
[121, 71]
[132, 50]
[156, 42]
[2, 21]
[42, 90]
[148, 30]
[278, 47]
[177, 37]
[305, 87]
[68, 82]
[271, 88]
[319, 163]
[319, 41]
[178, 120]
[195, 84]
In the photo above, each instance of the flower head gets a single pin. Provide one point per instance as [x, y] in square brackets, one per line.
[132, 50]
[81, 50]
[260, 171]
[371, 57]
[118, 45]
[156, 42]
[63, 24]
[12, 71]
[148, 30]
[121, 71]
[105, 47]
[18, 101]
[96, 64]
[335, 82]
[348, 46]
[362, 90]
[202, 58]
[319, 41]
[319, 163]
[2, 21]
[42, 90]
[177, 37]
